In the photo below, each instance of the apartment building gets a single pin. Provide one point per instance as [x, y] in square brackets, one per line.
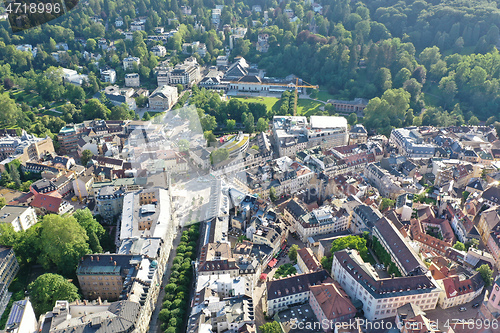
[363, 217]
[109, 75]
[410, 142]
[459, 289]
[20, 217]
[104, 275]
[116, 317]
[293, 211]
[68, 137]
[294, 133]
[8, 269]
[216, 258]
[130, 63]
[286, 292]
[489, 231]
[306, 261]
[358, 134]
[132, 80]
[109, 202]
[323, 220]
[22, 318]
[390, 185]
[185, 74]
[25, 147]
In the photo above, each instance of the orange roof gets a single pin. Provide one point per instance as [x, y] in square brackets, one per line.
[333, 300]
[47, 202]
[454, 287]
[436, 272]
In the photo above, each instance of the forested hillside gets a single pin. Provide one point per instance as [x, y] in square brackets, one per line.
[438, 57]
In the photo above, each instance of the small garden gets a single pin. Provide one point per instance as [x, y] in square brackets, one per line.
[384, 257]
[362, 244]
[434, 232]
[285, 270]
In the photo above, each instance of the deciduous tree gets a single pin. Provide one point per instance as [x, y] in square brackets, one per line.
[49, 288]
[63, 243]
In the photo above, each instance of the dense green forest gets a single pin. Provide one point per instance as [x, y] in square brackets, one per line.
[438, 58]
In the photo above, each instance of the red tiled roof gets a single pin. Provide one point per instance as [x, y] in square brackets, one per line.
[47, 202]
[453, 287]
[333, 300]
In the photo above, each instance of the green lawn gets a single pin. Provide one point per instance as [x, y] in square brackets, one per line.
[307, 107]
[431, 94]
[29, 98]
[268, 101]
[324, 96]
[51, 113]
[154, 113]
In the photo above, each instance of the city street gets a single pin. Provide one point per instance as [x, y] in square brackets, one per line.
[258, 299]
[447, 317]
[155, 325]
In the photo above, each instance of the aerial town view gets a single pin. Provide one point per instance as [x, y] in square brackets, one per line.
[251, 166]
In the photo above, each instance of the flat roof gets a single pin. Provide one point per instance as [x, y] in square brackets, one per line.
[131, 215]
[328, 122]
[10, 213]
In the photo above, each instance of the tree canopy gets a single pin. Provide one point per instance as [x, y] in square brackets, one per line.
[272, 327]
[63, 241]
[49, 288]
[486, 273]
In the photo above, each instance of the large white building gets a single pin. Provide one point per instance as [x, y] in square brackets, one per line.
[132, 80]
[186, 74]
[128, 63]
[381, 297]
[294, 133]
[320, 221]
[20, 217]
[163, 98]
[109, 75]
[411, 143]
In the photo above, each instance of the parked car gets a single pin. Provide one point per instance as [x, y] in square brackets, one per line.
[476, 305]
[462, 309]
